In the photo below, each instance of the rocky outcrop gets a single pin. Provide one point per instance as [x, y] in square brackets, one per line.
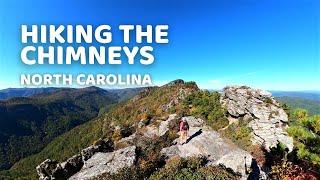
[164, 125]
[98, 146]
[50, 169]
[150, 131]
[101, 163]
[127, 141]
[203, 141]
[153, 130]
[72, 165]
[194, 122]
[183, 92]
[267, 119]
[47, 169]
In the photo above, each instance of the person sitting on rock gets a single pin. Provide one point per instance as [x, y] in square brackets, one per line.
[184, 128]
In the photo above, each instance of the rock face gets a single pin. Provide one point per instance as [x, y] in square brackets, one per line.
[127, 141]
[203, 141]
[98, 146]
[267, 119]
[47, 169]
[111, 162]
[153, 130]
[50, 169]
[164, 125]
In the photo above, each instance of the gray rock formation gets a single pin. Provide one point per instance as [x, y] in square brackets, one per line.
[194, 122]
[111, 162]
[50, 169]
[268, 119]
[164, 125]
[150, 131]
[99, 146]
[47, 169]
[128, 140]
[153, 130]
[72, 165]
[203, 141]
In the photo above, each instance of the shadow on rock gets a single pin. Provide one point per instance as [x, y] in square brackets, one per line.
[194, 135]
[255, 170]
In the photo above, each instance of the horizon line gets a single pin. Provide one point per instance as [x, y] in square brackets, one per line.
[156, 85]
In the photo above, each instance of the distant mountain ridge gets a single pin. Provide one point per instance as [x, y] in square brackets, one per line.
[8, 93]
[309, 100]
[24, 92]
[311, 95]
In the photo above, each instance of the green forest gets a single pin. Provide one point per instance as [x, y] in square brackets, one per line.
[29, 124]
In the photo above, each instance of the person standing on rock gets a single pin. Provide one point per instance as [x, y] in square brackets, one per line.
[184, 128]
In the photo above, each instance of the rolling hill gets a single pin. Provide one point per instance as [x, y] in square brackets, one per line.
[309, 100]
[313, 106]
[310, 95]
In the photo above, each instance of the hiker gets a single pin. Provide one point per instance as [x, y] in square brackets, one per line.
[184, 128]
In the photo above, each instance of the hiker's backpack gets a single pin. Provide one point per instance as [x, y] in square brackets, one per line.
[185, 126]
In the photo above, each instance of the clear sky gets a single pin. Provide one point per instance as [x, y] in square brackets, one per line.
[269, 44]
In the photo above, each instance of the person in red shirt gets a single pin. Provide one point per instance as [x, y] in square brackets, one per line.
[184, 128]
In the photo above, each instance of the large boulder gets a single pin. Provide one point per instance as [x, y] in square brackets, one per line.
[72, 165]
[153, 130]
[268, 119]
[50, 169]
[101, 163]
[98, 146]
[194, 122]
[164, 125]
[204, 141]
[126, 141]
[150, 131]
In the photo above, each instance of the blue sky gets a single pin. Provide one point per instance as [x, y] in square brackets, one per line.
[268, 44]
